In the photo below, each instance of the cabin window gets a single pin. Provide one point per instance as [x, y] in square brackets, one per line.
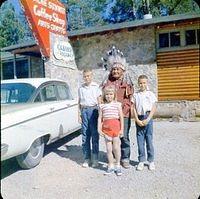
[171, 39]
[163, 40]
[175, 39]
[22, 69]
[190, 37]
[8, 70]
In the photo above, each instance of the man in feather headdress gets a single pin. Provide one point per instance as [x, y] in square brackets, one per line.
[118, 78]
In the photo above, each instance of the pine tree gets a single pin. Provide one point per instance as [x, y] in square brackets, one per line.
[11, 30]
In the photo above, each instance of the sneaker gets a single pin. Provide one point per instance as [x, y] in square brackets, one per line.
[95, 163]
[152, 166]
[118, 171]
[140, 166]
[109, 171]
[85, 164]
[126, 165]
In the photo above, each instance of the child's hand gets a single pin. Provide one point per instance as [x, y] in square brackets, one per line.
[101, 133]
[121, 135]
[145, 122]
[139, 122]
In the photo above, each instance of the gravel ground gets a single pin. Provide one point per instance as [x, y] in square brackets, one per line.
[60, 175]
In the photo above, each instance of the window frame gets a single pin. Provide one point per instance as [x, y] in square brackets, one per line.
[182, 31]
[69, 91]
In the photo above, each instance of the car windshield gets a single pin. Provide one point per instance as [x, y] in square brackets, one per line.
[16, 92]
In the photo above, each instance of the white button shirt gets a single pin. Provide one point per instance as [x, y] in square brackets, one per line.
[144, 101]
[88, 94]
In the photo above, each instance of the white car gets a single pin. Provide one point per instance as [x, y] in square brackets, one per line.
[35, 112]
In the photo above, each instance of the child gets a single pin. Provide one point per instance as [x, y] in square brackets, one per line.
[144, 108]
[89, 97]
[111, 125]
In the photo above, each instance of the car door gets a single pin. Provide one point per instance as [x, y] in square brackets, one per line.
[68, 110]
[62, 118]
[51, 121]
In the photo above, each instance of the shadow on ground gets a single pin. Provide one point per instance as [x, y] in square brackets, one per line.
[11, 166]
[74, 153]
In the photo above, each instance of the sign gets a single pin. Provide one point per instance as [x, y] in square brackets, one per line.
[45, 17]
[63, 50]
[61, 53]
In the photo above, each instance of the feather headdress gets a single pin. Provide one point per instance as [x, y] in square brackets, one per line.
[114, 56]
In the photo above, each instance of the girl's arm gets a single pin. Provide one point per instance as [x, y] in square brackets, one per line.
[121, 118]
[100, 123]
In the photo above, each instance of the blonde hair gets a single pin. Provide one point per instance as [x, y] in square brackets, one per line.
[87, 70]
[142, 77]
[109, 89]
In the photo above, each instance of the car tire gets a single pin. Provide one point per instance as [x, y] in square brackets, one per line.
[33, 156]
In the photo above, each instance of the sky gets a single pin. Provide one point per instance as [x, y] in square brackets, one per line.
[16, 5]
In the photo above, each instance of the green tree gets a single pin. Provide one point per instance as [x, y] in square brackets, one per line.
[11, 30]
[83, 13]
[173, 7]
[27, 32]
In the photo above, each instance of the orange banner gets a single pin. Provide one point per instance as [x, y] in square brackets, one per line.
[45, 16]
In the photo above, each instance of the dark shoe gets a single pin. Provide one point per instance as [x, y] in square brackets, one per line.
[95, 163]
[126, 165]
[118, 171]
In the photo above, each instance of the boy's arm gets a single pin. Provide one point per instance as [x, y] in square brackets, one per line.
[139, 122]
[99, 100]
[153, 110]
[79, 111]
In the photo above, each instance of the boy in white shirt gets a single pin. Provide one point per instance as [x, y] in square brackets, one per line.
[89, 97]
[144, 109]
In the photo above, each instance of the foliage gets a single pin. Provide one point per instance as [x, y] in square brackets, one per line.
[83, 13]
[120, 10]
[173, 7]
[11, 28]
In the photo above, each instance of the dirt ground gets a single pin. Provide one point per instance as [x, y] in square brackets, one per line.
[60, 175]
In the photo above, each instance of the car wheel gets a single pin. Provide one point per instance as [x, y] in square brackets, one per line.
[33, 156]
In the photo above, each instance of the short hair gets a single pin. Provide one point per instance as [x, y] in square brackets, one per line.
[108, 89]
[87, 70]
[142, 77]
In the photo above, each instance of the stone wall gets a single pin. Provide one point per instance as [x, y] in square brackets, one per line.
[71, 76]
[178, 110]
[138, 46]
